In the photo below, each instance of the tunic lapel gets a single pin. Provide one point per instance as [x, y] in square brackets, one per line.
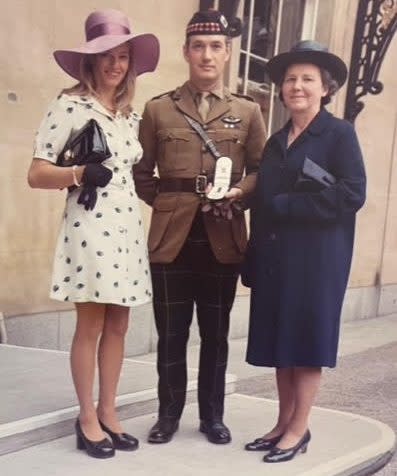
[185, 103]
[219, 108]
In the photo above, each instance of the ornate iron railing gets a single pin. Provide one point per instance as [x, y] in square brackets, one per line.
[376, 24]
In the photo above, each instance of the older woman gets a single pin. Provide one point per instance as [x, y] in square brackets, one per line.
[101, 259]
[310, 185]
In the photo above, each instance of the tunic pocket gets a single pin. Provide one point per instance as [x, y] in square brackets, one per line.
[231, 142]
[174, 149]
[163, 209]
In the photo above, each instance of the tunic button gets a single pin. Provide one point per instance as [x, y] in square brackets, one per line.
[205, 127]
[203, 149]
[272, 236]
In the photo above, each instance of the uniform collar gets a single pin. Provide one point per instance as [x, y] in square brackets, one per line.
[218, 93]
[184, 101]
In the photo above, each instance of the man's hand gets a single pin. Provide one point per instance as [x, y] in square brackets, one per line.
[234, 194]
[226, 207]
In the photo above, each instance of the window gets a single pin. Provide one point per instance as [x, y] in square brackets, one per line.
[270, 27]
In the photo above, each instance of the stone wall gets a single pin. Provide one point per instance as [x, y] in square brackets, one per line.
[29, 79]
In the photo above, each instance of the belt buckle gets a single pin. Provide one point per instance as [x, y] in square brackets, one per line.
[201, 184]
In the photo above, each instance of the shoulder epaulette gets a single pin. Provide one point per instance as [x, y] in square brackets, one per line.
[244, 96]
[162, 95]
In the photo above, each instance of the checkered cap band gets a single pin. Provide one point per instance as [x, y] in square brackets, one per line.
[206, 28]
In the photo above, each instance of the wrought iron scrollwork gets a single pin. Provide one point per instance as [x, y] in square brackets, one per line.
[376, 24]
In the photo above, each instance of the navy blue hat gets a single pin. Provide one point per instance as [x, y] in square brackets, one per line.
[212, 22]
[307, 51]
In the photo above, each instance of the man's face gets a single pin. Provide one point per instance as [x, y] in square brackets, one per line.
[207, 56]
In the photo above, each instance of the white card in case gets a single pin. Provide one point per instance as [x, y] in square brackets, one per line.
[223, 173]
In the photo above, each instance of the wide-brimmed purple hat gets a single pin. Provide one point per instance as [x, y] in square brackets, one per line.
[104, 30]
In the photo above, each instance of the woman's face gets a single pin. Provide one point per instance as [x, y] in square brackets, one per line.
[111, 67]
[302, 88]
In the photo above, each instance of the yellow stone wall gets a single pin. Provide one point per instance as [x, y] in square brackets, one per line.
[30, 31]
[29, 78]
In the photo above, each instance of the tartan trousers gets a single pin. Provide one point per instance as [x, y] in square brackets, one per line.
[194, 277]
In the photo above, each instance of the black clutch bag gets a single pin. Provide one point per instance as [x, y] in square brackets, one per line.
[313, 178]
[88, 145]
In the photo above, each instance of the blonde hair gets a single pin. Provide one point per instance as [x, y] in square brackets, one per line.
[86, 86]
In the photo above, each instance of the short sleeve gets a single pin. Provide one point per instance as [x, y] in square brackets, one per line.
[54, 129]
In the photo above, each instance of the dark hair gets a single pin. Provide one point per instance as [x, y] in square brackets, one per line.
[328, 82]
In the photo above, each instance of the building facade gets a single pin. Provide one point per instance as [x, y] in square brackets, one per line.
[360, 31]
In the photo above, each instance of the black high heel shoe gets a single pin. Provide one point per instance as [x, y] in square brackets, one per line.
[277, 455]
[263, 444]
[121, 441]
[97, 449]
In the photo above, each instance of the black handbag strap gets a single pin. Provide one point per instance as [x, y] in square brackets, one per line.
[209, 143]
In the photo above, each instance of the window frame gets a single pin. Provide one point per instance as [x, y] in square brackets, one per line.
[309, 23]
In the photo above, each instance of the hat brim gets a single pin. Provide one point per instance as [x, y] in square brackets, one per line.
[277, 66]
[146, 52]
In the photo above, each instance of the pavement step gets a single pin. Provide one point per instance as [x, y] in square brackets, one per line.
[342, 444]
[39, 403]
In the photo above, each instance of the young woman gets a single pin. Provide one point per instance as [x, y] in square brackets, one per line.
[101, 259]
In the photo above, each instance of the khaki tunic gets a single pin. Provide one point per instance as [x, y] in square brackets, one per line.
[172, 149]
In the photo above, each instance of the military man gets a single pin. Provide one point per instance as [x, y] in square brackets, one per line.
[194, 255]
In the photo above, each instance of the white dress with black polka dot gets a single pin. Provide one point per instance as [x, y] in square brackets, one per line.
[101, 254]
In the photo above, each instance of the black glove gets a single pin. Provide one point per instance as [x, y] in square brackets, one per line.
[88, 197]
[96, 174]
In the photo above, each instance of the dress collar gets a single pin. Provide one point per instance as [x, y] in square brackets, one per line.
[90, 102]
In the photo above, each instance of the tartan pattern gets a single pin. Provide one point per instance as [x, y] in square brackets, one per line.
[195, 277]
[205, 28]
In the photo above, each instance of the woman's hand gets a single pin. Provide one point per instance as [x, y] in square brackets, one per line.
[46, 175]
[96, 174]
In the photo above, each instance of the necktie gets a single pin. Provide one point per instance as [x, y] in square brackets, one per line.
[203, 105]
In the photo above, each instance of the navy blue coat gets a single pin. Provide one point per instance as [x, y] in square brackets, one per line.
[300, 249]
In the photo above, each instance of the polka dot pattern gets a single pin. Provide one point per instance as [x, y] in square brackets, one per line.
[101, 255]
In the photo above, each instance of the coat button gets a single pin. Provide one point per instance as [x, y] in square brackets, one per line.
[272, 236]
[205, 127]
[203, 149]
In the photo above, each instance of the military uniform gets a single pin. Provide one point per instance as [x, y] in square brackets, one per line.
[194, 256]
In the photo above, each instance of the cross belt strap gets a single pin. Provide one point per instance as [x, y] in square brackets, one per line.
[209, 143]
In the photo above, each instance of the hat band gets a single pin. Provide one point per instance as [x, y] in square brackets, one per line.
[207, 27]
[106, 29]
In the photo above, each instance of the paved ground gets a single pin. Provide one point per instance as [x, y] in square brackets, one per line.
[364, 383]
[189, 454]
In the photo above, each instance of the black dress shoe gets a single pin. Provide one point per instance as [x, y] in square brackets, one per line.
[121, 441]
[216, 432]
[263, 444]
[97, 449]
[277, 455]
[163, 430]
